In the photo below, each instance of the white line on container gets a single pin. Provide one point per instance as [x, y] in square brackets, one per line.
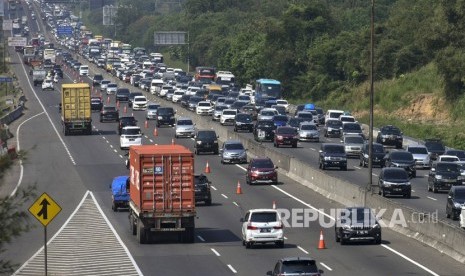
[232, 269]
[224, 195]
[303, 250]
[200, 238]
[216, 252]
[432, 198]
[327, 267]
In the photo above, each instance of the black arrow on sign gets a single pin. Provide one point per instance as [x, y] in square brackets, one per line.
[43, 211]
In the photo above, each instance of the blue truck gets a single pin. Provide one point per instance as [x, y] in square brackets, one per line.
[120, 192]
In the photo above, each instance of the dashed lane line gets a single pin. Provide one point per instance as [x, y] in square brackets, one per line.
[432, 198]
[232, 269]
[200, 238]
[215, 252]
[303, 250]
[326, 266]
[223, 195]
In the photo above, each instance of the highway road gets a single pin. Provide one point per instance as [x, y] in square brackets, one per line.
[75, 169]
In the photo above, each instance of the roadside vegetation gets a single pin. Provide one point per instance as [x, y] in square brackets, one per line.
[319, 50]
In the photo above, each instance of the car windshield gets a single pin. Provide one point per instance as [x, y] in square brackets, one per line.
[450, 159]
[140, 99]
[111, 85]
[460, 154]
[351, 126]
[396, 174]
[434, 146]
[234, 146]
[286, 130]
[264, 217]
[299, 267]
[267, 113]
[229, 112]
[204, 104]
[280, 118]
[265, 124]
[447, 167]
[165, 111]
[105, 82]
[378, 149]
[132, 131]
[334, 123]
[391, 131]
[335, 114]
[109, 108]
[152, 106]
[334, 149]
[200, 179]
[401, 156]
[262, 164]
[134, 94]
[346, 119]
[206, 135]
[460, 195]
[308, 127]
[281, 102]
[354, 140]
[360, 215]
[418, 150]
[243, 118]
[185, 123]
[305, 115]
[220, 107]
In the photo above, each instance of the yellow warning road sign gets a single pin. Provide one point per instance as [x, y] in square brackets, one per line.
[45, 209]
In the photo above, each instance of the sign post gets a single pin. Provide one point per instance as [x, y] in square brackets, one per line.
[45, 209]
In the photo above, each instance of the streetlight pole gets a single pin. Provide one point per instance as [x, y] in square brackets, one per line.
[370, 134]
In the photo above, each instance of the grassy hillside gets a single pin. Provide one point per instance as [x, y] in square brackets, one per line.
[415, 102]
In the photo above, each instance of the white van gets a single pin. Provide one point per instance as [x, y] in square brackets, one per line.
[83, 70]
[155, 86]
[333, 114]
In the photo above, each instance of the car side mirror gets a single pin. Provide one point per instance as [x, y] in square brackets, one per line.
[320, 151]
[433, 169]
[449, 197]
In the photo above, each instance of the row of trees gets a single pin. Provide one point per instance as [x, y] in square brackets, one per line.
[313, 47]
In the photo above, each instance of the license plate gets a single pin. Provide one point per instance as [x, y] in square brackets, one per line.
[397, 189]
[362, 232]
[265, 230]
[261, 134]
[131, 139]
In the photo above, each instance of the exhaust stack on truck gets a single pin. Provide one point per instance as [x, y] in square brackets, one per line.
[162, 197]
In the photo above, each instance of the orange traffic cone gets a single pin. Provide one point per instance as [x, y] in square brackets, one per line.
[172, 141]
[125, 109]
[155, 132]
[146, 124]
[207, 168]
[117, 103]
[321, 244]
[274, 204]
[238, 189]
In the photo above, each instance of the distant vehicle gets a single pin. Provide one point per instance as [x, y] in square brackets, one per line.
[204, 108]
[455, 203]
[202, 189]
[233, 151]
[126, 121]
[332, 155]
[285, 136]
[165, 116]
[353, 144]
[96, 104]
[130, 136]
[394, 181]
[288, 266]
[206, 141]
[435, 148]
[76, 111]
[228, 116]
[333, 114]
[97, 79]
[47, 84]
[261, 170]
[184, 127]
[264, 130]
[390, 135]
[131, 97]
[444, 175]
[120, 193]
[377, 158]
[332, 128]
[309, 132]
[421, 156]
[267, 88]
[83, 70]
[243, 121]
[261, 226]
[151, 111]
[103, 84]
[109, 113]
[139, 103]
[112, 88]
[352, 128]
[401, 159]
[218, 111]
[357, 224]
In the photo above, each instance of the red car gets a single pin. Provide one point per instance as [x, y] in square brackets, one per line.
[285, 135]
[261, 170]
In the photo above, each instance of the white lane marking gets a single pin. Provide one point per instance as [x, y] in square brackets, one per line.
[120, 156]
[374, 174]
[357, 167]
[224, 195]
[413, 191]
[115, 150]
[111, 146]
[192, 139]
[213, 187]
[108, 142]
[285, 238]
[303, 250]
[235, 203]
[313, 149]
[151, 141]
[432, 198]
[200, 238]
[240, 167]
[146, 137]
[46, 113]
[216, 252]
[332, 218]
[103, 137]
[232, 269]
[327, 267]
[21, 172]
[410, 260]
[425, 175]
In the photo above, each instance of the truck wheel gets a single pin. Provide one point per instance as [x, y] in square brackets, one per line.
[141, 232]
[189, 235]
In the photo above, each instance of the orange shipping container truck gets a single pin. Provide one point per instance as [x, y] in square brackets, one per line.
[162, 197]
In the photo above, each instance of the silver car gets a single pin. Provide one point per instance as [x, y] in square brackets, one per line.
[184, 127]
[421, 156]
[353, 144]
[309, 132]
[218, 111]
[151, 111]
[233, 152]
[267, 114]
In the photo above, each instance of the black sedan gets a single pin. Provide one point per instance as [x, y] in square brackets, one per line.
[96, 103]
[109, 113]
[264, 130]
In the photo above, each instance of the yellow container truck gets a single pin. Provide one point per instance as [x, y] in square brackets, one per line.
[76, 112]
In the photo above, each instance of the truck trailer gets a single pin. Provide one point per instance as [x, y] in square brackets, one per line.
[76, 112]
[162, 196]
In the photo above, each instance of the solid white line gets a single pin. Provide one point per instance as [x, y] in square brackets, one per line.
[46, 113]
[432, 198]
[235, 203]
[213, 187]
[200, 238]
[303, 250]
[216, 252]
[240, 167]
[56, 234]
[303, 202]
[18, 148]
[117, 236]
[410, 260]
[232, 269]
[224, 195]
[328, 216]
[327, 267]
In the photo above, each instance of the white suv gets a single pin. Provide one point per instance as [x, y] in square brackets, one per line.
[228, 116]
[262, 226]
[139, 103]
[47, 84]
[130, 136]
[204, 108]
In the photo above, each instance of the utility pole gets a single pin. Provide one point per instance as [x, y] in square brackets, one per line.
[370, 134]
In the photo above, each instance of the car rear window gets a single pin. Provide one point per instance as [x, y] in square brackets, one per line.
[299, 267]
[395, 174]
[234, 146]
[401, 156]
[206, 134]
[286, 130]
[264, 217]
[447, 167]
[334, 149]
[354, 140]
[185, 123]
[165, 111]
[262, 163]
[418, 150]
[132, 131]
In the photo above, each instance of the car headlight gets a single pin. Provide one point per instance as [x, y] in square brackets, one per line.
[346, 227]
[457, 205]
[365, 155]
[327, 158]
[461, 177]
[160, 118]
[438, 176]
[376, 225]
[199, 142]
